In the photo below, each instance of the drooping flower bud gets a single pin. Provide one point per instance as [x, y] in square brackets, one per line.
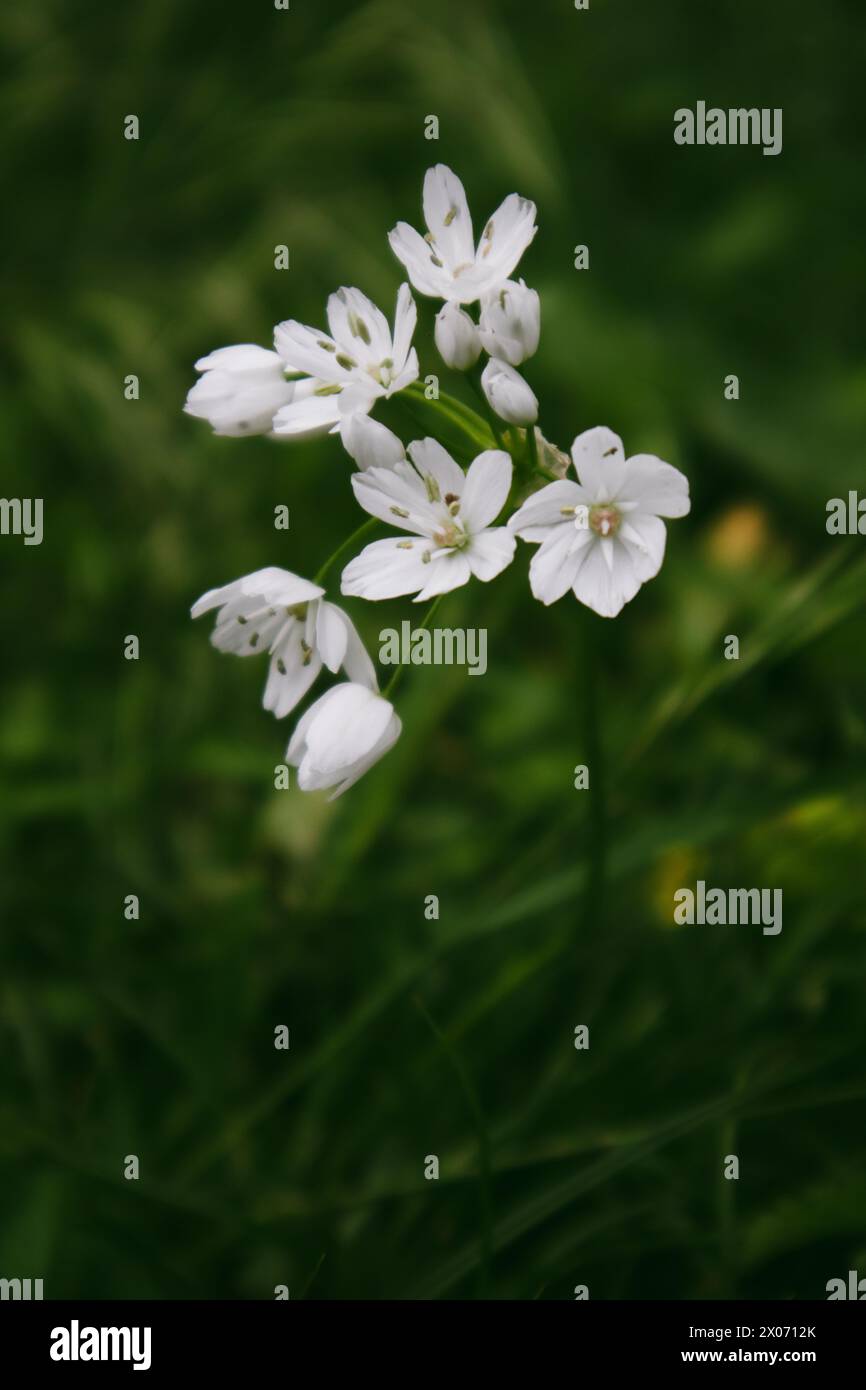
[240, 390]
[341, 736]
[456, 337]
[369, 443]
[508, 394]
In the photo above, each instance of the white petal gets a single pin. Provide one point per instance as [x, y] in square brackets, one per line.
[606, 590]
[387, 569]
[357, 663]
[655, 486]
[388, 739]
[491, 552]
[358, 398]
[506, 236]
[244, 629]
[405, 378]
[369, 443]
[555, 564]
[418, 256]
[387, 493]
[286, 687]
[211, 392]
[309, 350]
[599, 460]
[310, 415]
[360, 328]
[277, 585]
[406, 375]
[243, 357]
[446, 213]
[551, 506]
[506, 348]
[445, 573]
[488, 481]
[432, 460]
[298, 740]
[331, 635]
[272, 585]
[644, 538]
[405, 319]
[417, 487]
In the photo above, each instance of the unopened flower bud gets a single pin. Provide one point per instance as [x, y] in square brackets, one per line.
[510, 322]
[240, 390]
[456, 337]
[508, 394]
[369, 443]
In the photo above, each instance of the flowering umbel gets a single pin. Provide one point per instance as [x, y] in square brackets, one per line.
[601, 535]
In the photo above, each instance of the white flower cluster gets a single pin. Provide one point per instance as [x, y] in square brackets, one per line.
[601, 536]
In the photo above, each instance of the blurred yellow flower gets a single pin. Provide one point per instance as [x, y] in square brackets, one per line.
[677, 866]
[739, 537]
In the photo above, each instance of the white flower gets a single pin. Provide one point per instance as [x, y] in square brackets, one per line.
[445, 263]
[343, 734]
[456, 337]
[369, 443]
[510, 322]
[241, 390]
[350, 368]
[601, 537]
[448, 509]
[275, 611]
[509, 395]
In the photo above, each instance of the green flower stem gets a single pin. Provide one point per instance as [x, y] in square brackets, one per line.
[428, 618]
[455, 412]
[529, 473]
[349, 544]
[596, 839]
[532, 450]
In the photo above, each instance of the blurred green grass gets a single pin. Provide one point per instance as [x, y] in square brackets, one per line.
[411, 1037]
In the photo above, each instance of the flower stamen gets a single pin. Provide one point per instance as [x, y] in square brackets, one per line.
[605, 519]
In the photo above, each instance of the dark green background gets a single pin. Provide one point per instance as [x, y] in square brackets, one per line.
[411, 1037]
